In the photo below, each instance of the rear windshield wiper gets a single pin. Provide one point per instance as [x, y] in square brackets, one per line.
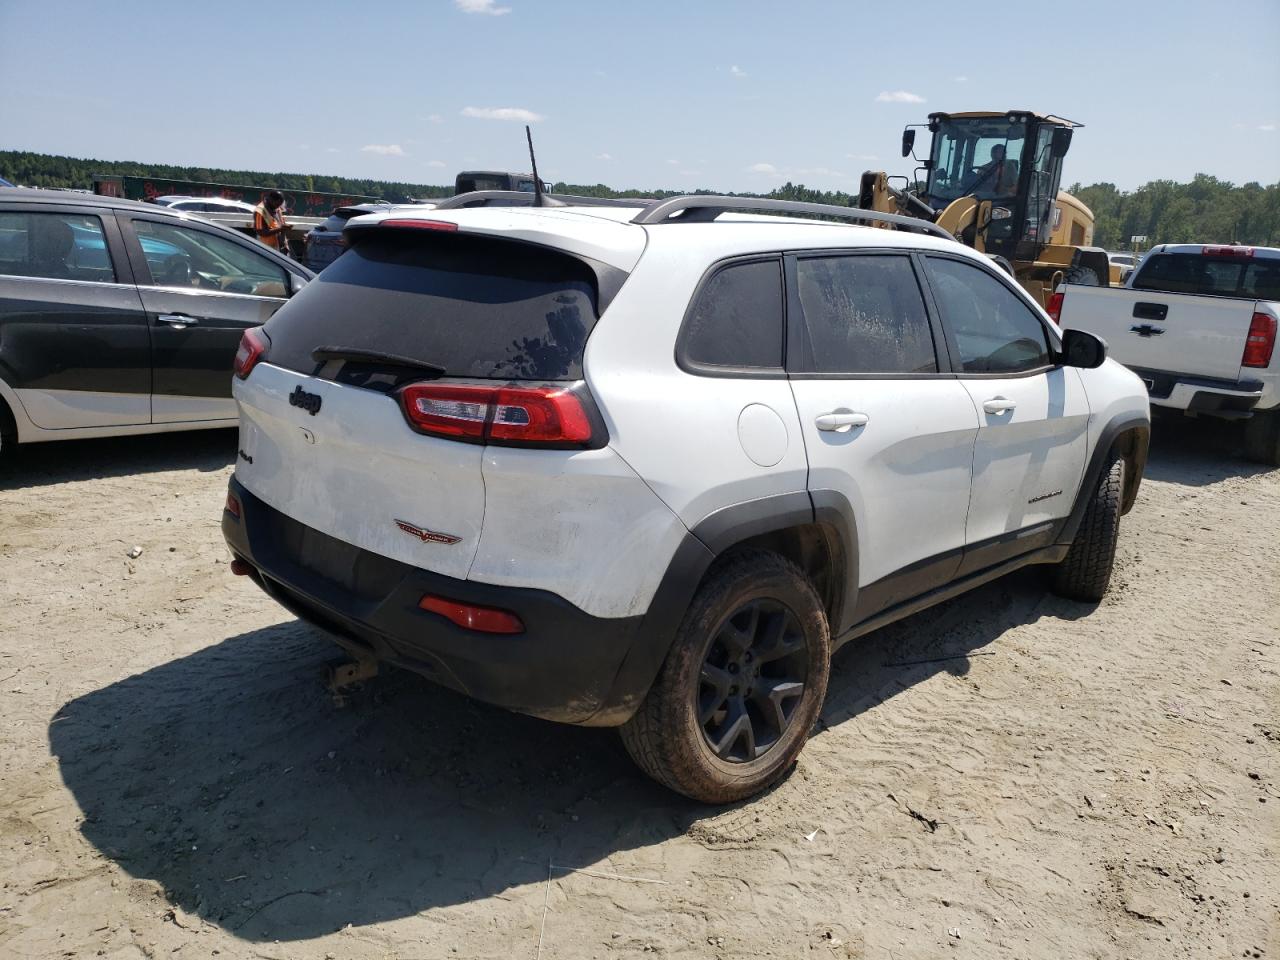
[376, 358]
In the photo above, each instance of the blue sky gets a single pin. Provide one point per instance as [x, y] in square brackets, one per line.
[650, 93]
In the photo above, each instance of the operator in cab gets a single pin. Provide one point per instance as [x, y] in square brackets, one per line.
[998, 175]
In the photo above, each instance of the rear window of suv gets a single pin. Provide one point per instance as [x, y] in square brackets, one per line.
[476, 306]
[1242, 277]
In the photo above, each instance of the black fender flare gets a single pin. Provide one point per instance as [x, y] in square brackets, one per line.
[1107, 438]
[709, 539]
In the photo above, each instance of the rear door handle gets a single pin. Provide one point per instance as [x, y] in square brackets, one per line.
[841, 422]
[179, 321]
[999, 405]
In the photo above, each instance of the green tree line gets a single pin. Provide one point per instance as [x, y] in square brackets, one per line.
[1205, 210]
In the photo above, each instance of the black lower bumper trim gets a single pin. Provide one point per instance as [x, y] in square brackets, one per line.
[564, 666]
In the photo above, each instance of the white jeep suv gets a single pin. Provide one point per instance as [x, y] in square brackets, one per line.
[648, 465]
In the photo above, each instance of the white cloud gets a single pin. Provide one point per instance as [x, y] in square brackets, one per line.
[435, 118]
[331, 150]
[738, 72]
[898, 96]
[819, 172]
[481, 6]
[502, 113]
[435, 163]
[766, 168]
[604, 156]
[674, 163]
[1267, 127]
[384, 149]
[869, 157]
[304, 146]
[960, 79]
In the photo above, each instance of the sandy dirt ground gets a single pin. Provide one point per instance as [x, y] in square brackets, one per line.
[1009, 775]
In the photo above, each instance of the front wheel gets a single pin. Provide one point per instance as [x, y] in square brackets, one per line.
[742, 685]
[1262, 438]
[1085, 574]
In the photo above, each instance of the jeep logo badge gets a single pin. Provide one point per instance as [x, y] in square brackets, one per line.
[309, 402]
[427, 536]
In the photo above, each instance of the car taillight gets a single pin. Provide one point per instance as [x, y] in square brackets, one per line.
[253, 347]
[473, 617]
[1055, 307]
[233, 505]
[1261, 341]
[421, 224]
[555, 416]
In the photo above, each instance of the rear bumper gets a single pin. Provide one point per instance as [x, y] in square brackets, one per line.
[567, 666]
[1210, 396]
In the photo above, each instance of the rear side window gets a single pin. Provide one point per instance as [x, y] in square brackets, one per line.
[1194, 273]
[55, 246]
[863, 314]
[736, 320]
[995, 331]
[476, 306]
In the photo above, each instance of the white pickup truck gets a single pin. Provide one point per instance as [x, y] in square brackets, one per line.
[1198, 325]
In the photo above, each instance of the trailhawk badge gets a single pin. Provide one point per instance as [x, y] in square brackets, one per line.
[427, 536]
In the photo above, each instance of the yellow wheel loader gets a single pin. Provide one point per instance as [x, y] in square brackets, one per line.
[991, 180]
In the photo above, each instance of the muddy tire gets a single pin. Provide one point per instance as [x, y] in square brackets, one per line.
[1262, 438]
[1085, 574]
[741, 686]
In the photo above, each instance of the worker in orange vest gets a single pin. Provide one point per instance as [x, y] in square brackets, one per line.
[268, 221]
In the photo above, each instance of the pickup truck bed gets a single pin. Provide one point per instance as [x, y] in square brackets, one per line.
[1198, 324]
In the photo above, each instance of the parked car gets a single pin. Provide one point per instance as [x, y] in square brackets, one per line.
[646, 467]
[119, 317]
[1122, 265]
[1198, 324]
[205, 204]
[324, 243]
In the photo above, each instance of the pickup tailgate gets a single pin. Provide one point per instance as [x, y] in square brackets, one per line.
[1173, 332]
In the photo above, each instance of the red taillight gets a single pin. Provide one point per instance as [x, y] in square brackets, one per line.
[253, 346]
[233, 505]
[421, 224]
[1226, 251]
[1055, 307]
[515, 415]
[472, 617]
[1260, 342]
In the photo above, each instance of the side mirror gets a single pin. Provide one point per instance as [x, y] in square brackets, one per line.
[908, 141]
[1061, 142]
[1083, 349]
[296, 283]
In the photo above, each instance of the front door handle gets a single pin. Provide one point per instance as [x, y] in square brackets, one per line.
[179, 321]
[998, 405]
[841, 421]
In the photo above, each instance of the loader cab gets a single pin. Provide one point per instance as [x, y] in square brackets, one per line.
[1012, 159]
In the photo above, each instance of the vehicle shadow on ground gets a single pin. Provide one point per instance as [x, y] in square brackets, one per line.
[63, 461]
[231, 779]
[1198, 451]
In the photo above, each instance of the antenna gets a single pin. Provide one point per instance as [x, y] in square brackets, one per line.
[537, 180]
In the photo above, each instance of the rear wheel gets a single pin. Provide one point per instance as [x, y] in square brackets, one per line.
[1082, 275]
[742, 685]
[1086, 572]
[1262, 437]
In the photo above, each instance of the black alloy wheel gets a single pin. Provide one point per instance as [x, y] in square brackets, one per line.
[751, 680]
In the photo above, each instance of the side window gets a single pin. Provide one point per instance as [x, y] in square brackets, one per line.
[995, 330]
[737, 319]
[863, 314]
[180, 256]
[57, 246]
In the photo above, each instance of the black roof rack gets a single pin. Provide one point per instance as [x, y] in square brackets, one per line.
[516, 198]
[704, 209]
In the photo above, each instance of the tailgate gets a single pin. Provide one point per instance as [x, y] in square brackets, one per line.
[355, 471]
[1173, 332]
